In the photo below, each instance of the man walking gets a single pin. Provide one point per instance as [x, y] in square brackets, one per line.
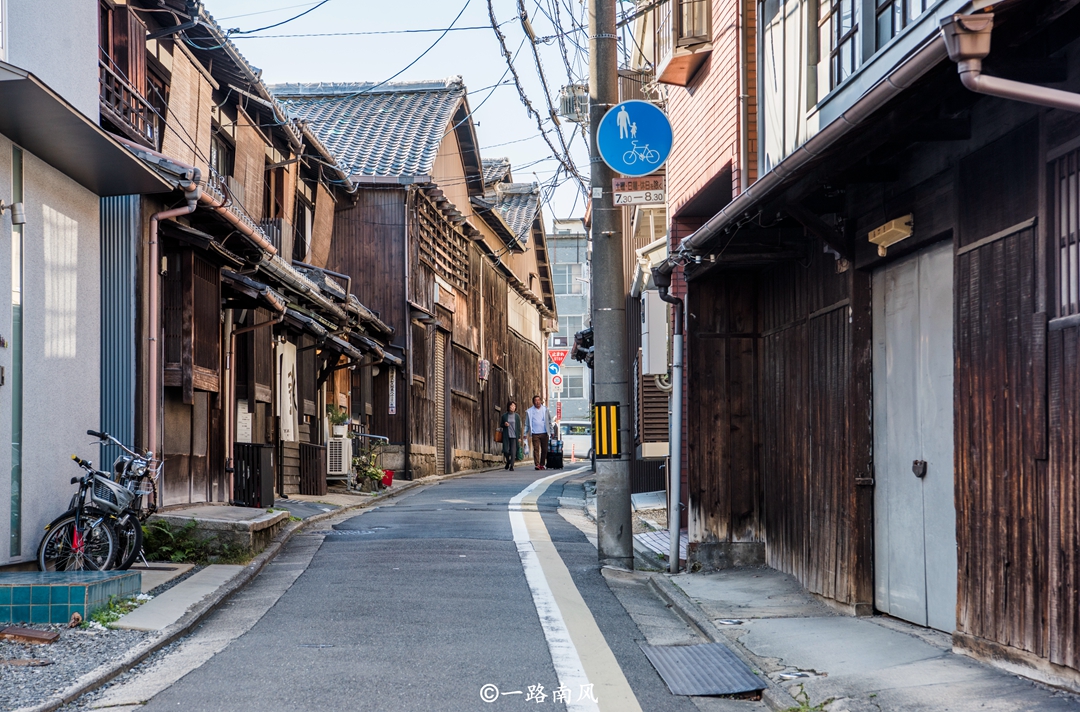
[538, 421]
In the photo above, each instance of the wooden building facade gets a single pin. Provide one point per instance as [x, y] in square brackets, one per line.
[241, 339]
[421, 239]
[882, 334]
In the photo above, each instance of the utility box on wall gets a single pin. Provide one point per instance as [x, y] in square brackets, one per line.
[654, 334]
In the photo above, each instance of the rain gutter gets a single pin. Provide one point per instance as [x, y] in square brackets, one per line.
[768, 186]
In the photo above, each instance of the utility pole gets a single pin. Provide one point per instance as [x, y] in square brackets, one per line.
[610, 364]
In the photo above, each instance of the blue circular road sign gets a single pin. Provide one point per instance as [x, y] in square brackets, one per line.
[634, 138]
[553, 368]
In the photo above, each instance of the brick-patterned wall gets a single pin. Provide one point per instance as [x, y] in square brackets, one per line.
[705, 115]
[250, 165]
[187, 130]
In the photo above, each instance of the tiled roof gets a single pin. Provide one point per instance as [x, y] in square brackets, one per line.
[518, 203]
[496, 170]
[392, 129]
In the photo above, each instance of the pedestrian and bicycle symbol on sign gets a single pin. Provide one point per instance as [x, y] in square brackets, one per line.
[634, 138]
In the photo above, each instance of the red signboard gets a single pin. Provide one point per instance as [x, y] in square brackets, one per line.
[558, 355]
[558, 410]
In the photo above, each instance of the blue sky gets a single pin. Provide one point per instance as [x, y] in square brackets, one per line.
[504, 128]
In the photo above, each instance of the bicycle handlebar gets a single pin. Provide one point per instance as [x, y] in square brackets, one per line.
[122, 446]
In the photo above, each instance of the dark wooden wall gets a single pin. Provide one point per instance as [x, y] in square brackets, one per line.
[369, 246]
[1002, 429]
[779, 419]
[1062, 513]
[722, 465]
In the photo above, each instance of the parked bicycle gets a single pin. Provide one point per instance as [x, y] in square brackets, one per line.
[106, 531]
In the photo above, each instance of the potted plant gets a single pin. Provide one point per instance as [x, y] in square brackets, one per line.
[368, 475]
[338, 417]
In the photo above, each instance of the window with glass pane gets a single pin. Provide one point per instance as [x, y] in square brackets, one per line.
[566, 278]
[838, 30]
[573, 383]
[221, 156]
[568, 326]
[894, 15]
[693, 21]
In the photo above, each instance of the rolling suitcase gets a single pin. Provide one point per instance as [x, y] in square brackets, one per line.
[555, 455]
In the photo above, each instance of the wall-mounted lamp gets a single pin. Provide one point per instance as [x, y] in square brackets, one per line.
[18, 213]
[891, 233]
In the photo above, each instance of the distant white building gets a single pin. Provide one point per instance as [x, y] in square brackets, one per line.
[568, 243]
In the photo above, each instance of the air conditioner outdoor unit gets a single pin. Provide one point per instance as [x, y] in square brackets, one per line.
[339, 457]
[654, 334]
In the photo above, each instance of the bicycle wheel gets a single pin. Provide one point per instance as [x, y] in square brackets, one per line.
[90, 548]
[129, 539]
[652, 156]
[630, 157]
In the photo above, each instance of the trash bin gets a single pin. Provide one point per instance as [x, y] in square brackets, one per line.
[387, 478]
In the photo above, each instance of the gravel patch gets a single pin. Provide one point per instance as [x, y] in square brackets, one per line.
[650, 520]
[84, 703]
[77, 652]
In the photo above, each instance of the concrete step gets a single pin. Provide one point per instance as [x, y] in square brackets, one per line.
[159, 572]
[168, 608]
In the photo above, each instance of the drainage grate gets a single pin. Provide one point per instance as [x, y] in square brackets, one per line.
[709, 669]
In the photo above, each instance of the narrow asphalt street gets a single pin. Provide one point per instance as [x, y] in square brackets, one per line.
[424, 603]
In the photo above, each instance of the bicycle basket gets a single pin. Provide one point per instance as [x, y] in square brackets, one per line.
[110, 495]
[141, 486]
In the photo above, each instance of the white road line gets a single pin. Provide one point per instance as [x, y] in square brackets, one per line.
[542, 565]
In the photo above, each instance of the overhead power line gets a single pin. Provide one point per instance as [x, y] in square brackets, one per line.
[370, 32]
[266, 12]
[564, 158]
[238, 31]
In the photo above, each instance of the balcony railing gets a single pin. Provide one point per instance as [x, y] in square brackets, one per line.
[126, 107]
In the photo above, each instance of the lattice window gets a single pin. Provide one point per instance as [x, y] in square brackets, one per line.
[894, 15]
[1067, 231]
[838, 36]
[206, 307]
[442, 245]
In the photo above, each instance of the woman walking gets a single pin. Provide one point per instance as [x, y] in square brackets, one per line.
[510, 426]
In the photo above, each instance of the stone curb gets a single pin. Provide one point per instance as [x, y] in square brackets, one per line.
[775, 696]
[196, 615]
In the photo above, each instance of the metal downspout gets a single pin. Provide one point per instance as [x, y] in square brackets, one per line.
[744, 100]
[967, 37]
[154, 297]
[663, 283]
[407, 390]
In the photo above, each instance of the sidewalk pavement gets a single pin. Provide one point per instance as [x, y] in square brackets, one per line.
[843, 664]
[189, 611]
